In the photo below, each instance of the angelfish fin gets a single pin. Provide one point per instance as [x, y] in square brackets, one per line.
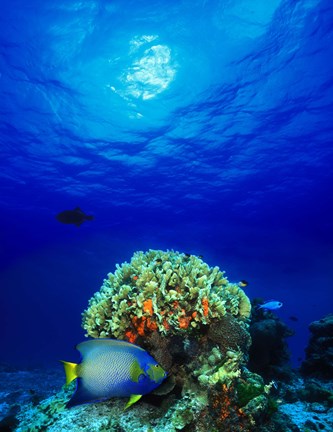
[70, 371]
[132, 400]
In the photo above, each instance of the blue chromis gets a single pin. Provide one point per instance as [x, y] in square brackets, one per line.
[112, 368]
[271, 305]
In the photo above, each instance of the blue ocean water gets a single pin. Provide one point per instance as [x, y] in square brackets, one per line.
[201, 126]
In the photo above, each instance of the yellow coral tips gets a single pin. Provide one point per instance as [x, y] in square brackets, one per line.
[70, 371]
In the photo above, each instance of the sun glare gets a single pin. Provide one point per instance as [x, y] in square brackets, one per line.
[151, 71]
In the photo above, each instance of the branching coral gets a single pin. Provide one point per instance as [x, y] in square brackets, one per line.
[170, 292]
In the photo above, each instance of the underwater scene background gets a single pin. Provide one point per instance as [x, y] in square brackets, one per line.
[202, 127]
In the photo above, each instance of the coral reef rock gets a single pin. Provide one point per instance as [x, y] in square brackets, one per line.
[269, 352]
[195, 323]
[319, 353]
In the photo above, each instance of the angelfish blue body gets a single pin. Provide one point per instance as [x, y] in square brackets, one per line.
[112, 368]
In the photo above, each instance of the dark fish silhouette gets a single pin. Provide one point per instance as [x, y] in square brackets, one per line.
[293, 318]
[75, 217]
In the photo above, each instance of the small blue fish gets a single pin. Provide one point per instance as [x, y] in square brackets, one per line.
[270, 305]
[112, 368]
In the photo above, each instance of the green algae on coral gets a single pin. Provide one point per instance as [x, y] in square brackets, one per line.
[246, 391]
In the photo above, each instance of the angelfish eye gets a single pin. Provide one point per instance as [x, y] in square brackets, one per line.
[157, 365]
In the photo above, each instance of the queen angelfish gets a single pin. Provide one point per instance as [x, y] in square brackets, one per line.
[112, 368]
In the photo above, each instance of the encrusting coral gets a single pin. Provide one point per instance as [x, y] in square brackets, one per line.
[194, 322]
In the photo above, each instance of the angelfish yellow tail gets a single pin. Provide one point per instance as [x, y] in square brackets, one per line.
[70, 371]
